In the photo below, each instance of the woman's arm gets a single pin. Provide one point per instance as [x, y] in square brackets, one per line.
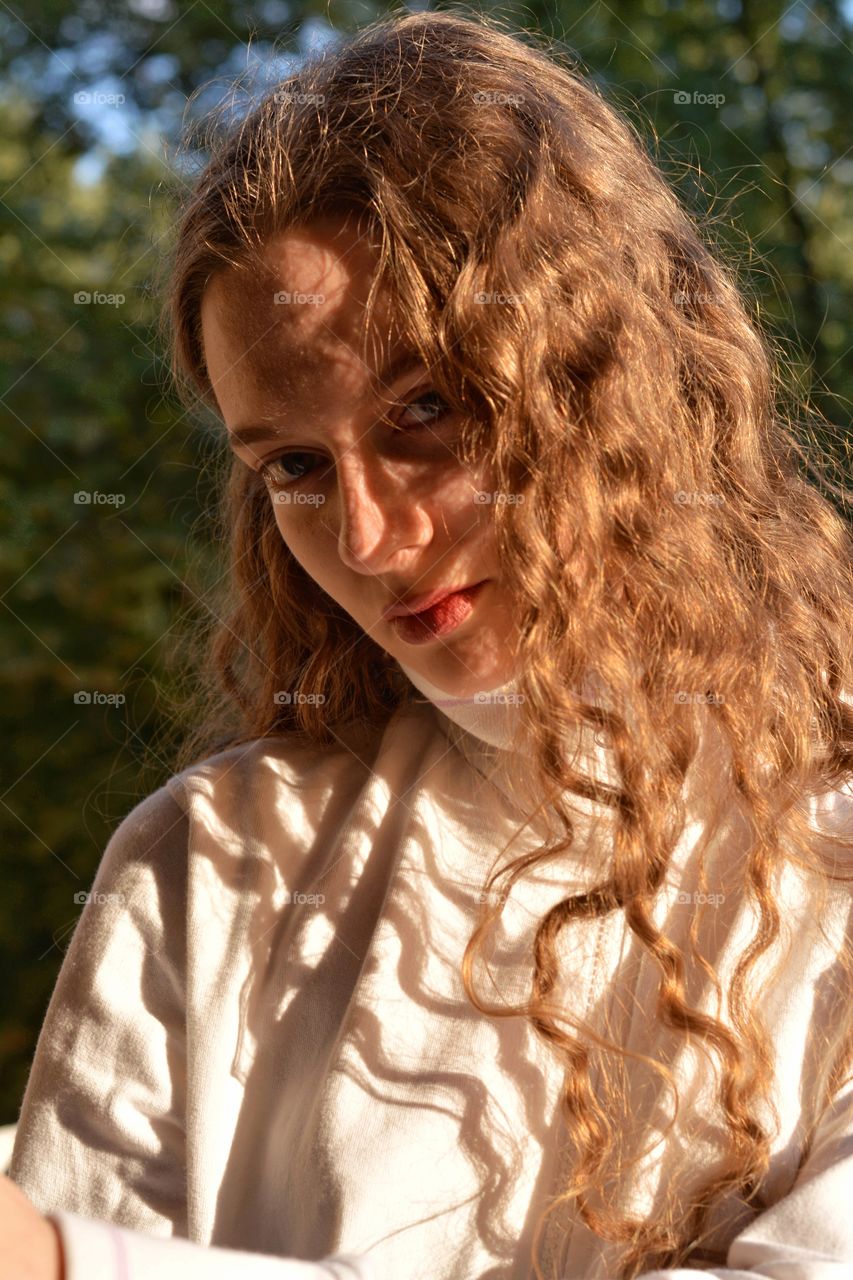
[32, 1245]
[99, 1157]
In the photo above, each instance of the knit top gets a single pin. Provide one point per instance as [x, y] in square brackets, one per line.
[259, 1059]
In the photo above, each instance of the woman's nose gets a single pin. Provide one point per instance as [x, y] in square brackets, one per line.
[379, 514]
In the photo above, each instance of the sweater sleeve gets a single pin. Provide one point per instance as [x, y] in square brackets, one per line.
[101, 1127]
[808, 1234]
[99, 1145]
[101, 1251]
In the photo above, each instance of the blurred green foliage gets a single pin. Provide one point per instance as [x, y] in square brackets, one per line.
[93, 592]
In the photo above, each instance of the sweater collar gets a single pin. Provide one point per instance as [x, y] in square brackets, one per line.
[489, 714]
[482, 728]
[485, 724]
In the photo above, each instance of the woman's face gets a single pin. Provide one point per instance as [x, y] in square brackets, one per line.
[367, 490]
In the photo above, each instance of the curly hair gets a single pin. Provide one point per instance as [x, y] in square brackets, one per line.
[667, 542]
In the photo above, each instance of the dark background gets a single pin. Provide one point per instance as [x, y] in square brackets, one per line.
[96, 594]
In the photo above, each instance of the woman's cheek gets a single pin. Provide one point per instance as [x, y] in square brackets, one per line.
[455, 487]
[302, 524]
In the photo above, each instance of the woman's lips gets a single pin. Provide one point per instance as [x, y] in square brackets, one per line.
[420, 603]
[441, 618]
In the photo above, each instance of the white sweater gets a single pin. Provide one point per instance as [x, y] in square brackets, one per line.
[259, 1040]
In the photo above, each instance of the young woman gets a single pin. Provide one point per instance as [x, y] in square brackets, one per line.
[496, 923]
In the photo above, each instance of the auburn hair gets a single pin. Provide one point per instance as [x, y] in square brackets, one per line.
[668, 539]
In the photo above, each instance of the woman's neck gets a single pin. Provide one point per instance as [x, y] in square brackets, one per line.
[490, 714]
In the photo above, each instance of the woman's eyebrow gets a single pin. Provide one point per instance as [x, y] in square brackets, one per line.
[403, 363]
[250, 434]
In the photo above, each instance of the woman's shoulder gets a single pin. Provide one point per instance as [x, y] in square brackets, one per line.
[234, 792]
[290, 760]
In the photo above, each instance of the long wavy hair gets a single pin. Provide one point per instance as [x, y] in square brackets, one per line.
[668, 540]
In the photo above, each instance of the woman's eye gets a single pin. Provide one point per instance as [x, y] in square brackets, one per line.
[424, 399]
[285, 463]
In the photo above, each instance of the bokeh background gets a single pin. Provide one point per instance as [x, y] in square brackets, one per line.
[747, 107]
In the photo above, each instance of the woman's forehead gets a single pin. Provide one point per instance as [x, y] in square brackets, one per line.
[284, 351]
[303, 283]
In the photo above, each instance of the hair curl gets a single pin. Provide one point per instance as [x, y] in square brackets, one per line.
[626, 375]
